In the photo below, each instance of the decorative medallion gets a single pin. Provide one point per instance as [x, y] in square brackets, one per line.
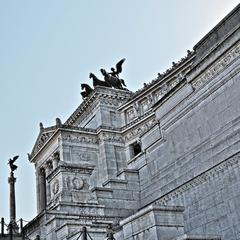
[77, 183]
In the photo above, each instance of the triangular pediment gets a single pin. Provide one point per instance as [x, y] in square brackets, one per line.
[43, 136]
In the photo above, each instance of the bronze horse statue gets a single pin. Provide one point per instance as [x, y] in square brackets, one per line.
[98, 82]
[86, 90]
[111, 79]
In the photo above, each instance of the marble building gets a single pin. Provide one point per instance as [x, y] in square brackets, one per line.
[157, 164]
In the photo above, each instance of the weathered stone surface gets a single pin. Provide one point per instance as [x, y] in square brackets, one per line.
[186, 124]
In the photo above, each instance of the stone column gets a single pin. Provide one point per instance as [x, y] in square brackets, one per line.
[12, 204]
[42, 189]
[55, 160]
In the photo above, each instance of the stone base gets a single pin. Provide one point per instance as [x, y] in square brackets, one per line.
[154, 222]
[197, 237]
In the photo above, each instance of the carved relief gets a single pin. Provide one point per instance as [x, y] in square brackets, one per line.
[79, 138]
[82, 156]
[41, 141]
[111, 137]
[140, 129]
[67, 182]
[161, 91]
[217, 67]
[55, 186]
[110, 102]
[73, 183]
[202, 178]
[130, 114]
[150, 100]
[77, 183]
[145, 105]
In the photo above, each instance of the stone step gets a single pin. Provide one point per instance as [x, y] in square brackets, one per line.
[128, 174]
[115, 184]
[197, 237]
[103, 192]
[7, 237]
[132, 177]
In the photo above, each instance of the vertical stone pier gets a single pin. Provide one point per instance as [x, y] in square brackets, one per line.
[12, 204]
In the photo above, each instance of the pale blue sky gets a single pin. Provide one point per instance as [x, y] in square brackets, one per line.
[48, 47]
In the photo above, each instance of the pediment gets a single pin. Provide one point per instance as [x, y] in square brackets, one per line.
[42, 138]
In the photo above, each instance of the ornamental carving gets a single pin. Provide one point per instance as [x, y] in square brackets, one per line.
[132, 113]
[55, 186]
[145, 105]
[74, 183]
[217, 67]
[110, 102]
[42, 139]
[140, 129]
[77, 183]
[200, 179]
[79, 138]
[111, 137]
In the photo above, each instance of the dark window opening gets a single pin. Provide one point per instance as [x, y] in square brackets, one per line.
[135, 149]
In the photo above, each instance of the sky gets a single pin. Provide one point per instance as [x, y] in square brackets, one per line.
[49, 47]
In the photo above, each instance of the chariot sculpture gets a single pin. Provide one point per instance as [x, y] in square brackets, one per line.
[111, 80]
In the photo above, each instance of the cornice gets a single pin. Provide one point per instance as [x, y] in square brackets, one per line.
[99, 92]
[219, 32]
[185, 62]
[47, 134]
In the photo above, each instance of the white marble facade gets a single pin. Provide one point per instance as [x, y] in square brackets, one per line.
[158, 164]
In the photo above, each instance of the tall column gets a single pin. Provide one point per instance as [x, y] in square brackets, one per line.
[12, 225]
[42, 190]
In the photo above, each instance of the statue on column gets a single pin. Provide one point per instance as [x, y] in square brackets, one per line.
[12, 227]
[13, 167]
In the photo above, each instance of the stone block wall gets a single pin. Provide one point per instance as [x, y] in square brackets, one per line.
[195, 160]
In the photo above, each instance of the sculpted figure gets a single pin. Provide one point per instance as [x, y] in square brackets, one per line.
[86, 90]
[111, 79]
[115, 82]
[98, 82]
[13, 167]
[118, 70]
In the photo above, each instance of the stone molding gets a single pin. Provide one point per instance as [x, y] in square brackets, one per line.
[111, 136]
[79, 137]
[149, 209]
[93, 136]
[186, 109]
[139, 129]
[212, 172]
[99, 92]
[197, 237]
[73, 168]
[232, 55]
[170, 73]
